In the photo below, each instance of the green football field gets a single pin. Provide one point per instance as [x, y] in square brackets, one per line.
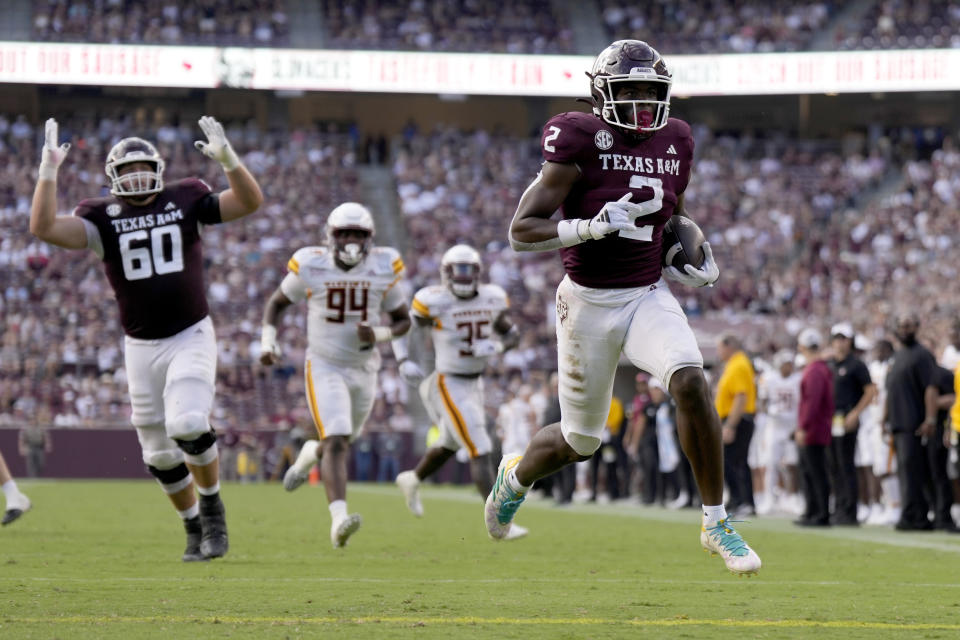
[101, 560]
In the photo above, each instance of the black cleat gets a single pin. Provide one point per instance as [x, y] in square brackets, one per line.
[10, 515]
[194, 535]
[214, 543]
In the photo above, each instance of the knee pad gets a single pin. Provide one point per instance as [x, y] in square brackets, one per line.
[199, 451]
[173, 479]
[159, 451]
[583, 445]
[188, 425]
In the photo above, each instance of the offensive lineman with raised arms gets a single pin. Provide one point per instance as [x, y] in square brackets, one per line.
[149, 236]
[347, 284]
[468, 322]
[617, 176]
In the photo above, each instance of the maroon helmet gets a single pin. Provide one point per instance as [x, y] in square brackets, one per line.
[626, 62]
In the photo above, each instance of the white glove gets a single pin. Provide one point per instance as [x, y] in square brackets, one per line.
[706, 275]
[217, 146]
[411, 373]
[613, 217]
[486, 348]
[269, 349]
[52, 155]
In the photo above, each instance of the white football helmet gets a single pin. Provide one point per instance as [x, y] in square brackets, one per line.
[350, 216]
[460, 270]
[137, 183]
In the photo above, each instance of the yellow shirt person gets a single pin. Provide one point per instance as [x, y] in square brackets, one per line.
[738, 377]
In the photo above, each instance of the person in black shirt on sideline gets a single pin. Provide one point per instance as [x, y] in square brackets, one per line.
[911, 415]
[853, 391]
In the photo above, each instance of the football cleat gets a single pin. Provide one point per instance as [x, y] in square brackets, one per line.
[341, 531]
[15, 508]
[194, 537]
[409, 485]
[503, 502]
[516, 532]
[294, 478]
[214, 542]
[724, 540]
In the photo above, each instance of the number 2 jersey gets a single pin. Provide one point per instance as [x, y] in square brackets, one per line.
[153, 255]
[612, 163]
[339, 300]
[458, 323]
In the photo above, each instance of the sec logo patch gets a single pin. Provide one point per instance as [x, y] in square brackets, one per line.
[603, 139]
[113, 210]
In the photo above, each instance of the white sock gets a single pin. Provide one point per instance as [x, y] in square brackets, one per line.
[209, 491]
[10, 490]
[307, 456]
[514, 484]
[190, 512]
[338, 510]
[713, 515]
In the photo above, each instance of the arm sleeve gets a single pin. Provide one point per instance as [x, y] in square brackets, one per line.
[294, 287]
[94, 241]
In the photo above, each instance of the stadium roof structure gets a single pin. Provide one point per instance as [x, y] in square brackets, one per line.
[466, 73]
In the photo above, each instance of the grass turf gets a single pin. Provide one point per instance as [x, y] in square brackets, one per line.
[101, 560]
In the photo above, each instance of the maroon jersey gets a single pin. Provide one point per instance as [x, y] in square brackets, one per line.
[655, 171]
[153, 256]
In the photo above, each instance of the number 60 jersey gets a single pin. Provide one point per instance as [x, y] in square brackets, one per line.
[153, 256]
[613, 163]
[339, 300]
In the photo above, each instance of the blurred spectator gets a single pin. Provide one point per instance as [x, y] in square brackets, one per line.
[736, 404]
[852, 393]
[911, 413]
[815, 415]
[34, 444]
[904, 24]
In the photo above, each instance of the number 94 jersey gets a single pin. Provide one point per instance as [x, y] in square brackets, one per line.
[459, 323]
[612, 163]
[339, 300]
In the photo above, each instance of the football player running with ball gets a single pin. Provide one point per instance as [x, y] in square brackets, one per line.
[469, 323]
[347, 284]
[618, 175]
[148, 235]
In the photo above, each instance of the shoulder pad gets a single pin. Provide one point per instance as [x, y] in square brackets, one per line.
[303, 256]
[386, 260]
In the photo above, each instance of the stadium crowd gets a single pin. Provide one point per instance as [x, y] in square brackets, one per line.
[260, 23]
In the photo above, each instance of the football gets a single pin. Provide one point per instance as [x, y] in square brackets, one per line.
[682, 243]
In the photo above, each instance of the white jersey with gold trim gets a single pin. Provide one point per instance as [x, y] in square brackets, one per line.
[458, 323]
[339, 300]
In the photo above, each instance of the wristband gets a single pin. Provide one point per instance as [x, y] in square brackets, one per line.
[382, 334]
[48, 172]
[570, 233]
[268, 335]
[231, 161]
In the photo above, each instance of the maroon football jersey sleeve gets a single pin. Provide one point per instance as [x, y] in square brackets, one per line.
[153, 256]
[655, 170]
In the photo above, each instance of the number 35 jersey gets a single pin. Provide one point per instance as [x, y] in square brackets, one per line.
[459, 323]
[153, 255]
[655, 170]
[339, 300]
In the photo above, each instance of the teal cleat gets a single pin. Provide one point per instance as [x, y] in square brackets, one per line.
[503, 502]
[723, 539]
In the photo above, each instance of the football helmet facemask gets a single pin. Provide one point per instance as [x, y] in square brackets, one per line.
[460, 270]
[626, 62]
[345, 247]
[134, 184]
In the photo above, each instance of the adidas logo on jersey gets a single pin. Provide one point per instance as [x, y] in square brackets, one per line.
[670, 149]
[170, 206]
